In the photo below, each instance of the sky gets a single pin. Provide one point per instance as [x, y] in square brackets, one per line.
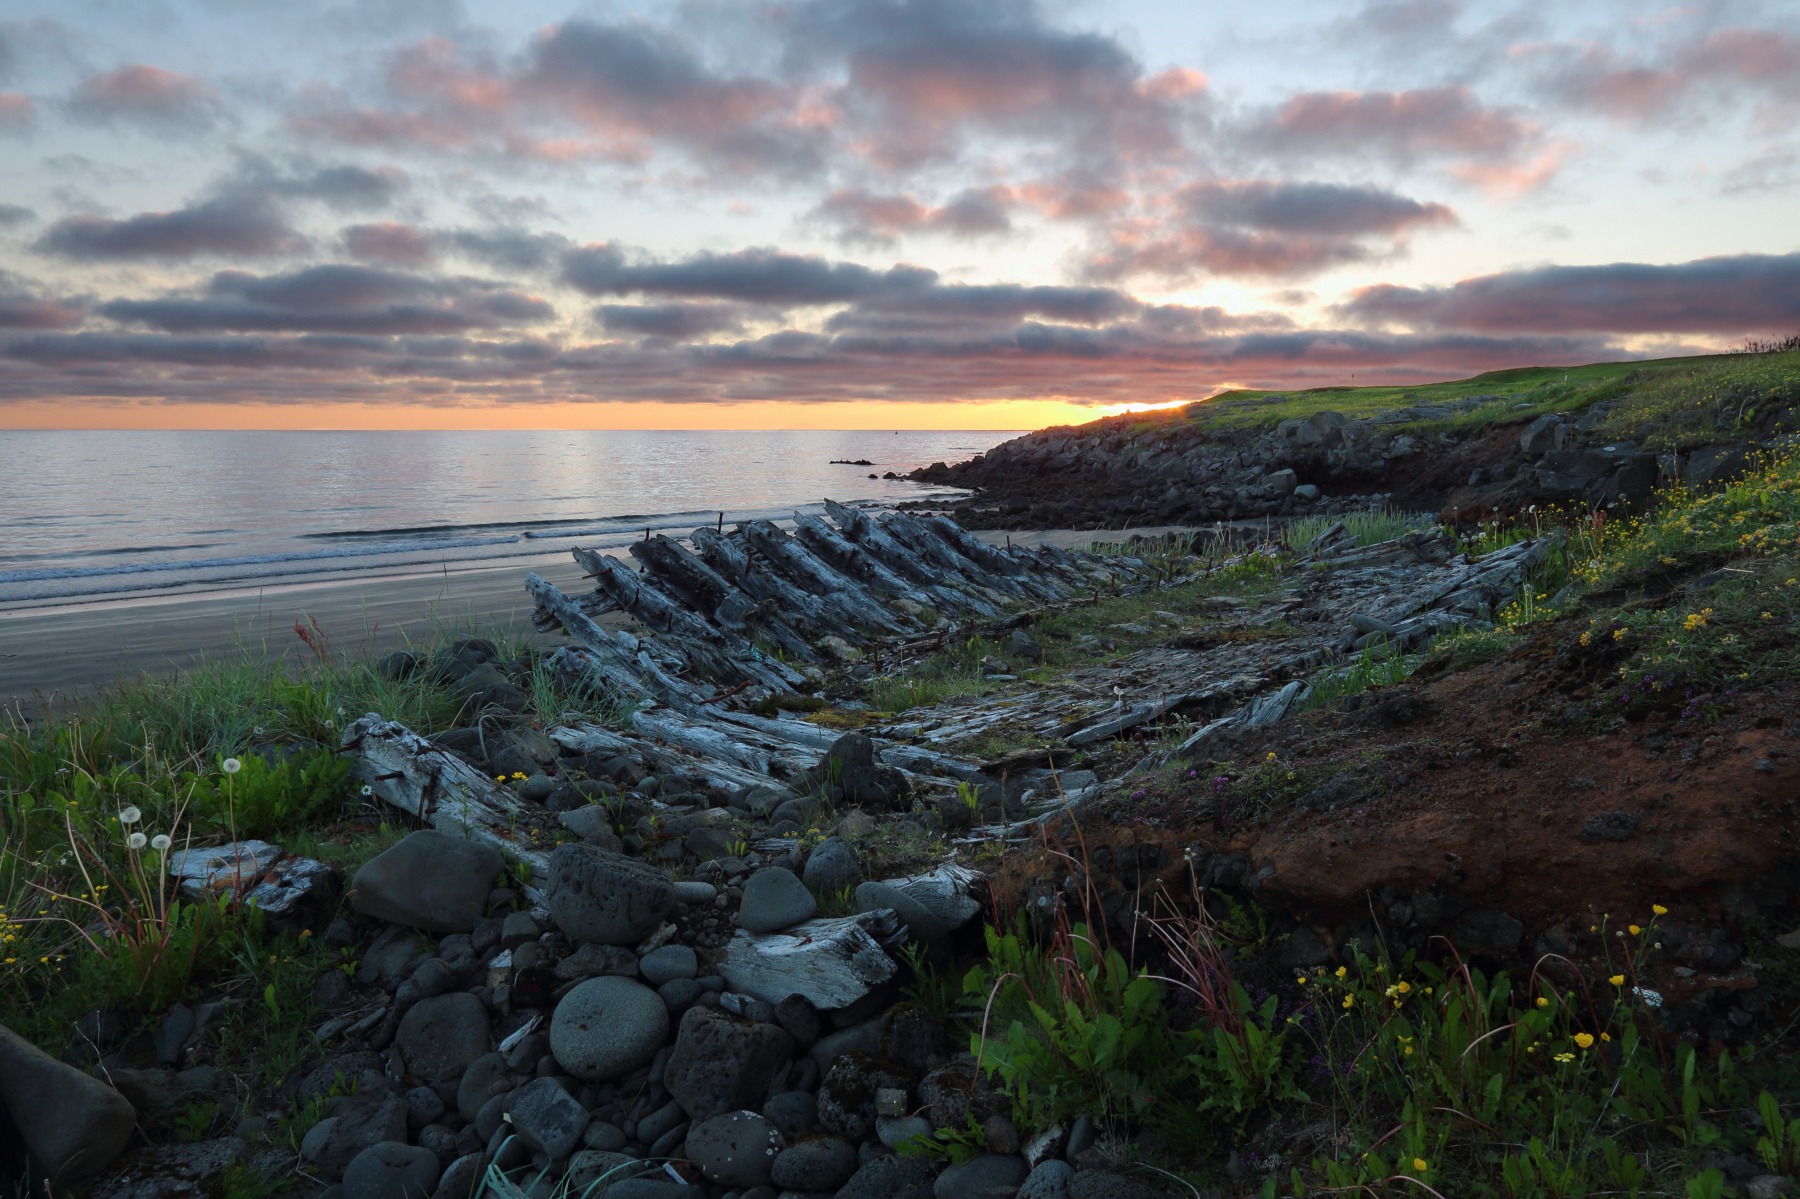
[866, 213]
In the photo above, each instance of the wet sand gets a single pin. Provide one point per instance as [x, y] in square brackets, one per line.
[46, 652]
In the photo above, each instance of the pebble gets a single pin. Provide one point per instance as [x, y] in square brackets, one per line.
[980, 1174]
[696, 892]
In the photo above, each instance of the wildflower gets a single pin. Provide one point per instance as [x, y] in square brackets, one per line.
[1617, 980]
[1542, 1002]
[1342, 970]
[1271, 756]
[1349, 1002]
[1420, 1165]
[1634, 929]
[130, 815]
[499, 778]
[1584, 1039]
[1659, 910]
[1301, 981]
[138, 841]
[1606, 1036]
[518, 774]
[231, 766]
[1565, 1058]
[1619, 634]
[161, 843]
[367, 790]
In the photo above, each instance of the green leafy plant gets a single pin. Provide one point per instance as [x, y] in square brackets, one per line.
[257, 797]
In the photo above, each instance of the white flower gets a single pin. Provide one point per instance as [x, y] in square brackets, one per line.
[138, 841]
[130, 815]
[231, 766]
[368, 790]
[161, 843]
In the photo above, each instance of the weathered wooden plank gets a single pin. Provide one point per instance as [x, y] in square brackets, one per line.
[437, 788]
[808, 571]
[832, 962]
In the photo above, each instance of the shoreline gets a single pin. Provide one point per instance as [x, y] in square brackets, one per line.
[55, 651]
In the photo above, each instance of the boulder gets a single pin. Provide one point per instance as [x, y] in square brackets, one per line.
[392, 1170]
[849, 774]
[775, 899]
[721, 1063]
[548, 1118]
[831, 867]
[74, 1125]
[817, 1164]
[735, 1149]
[441, 1037]
[430, 881]
[607, 1027]
[604, 897]
[980, 1174]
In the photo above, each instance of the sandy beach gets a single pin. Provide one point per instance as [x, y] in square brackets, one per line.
[58, 651]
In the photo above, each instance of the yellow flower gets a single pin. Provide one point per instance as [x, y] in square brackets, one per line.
[1565, 1058]
[1659, 910]
[1542, 1002]
[1618, 634]
[1342, 970]
[1617, 980]
[1301, 981]
[1634, 929]
[1420, 1165]
[1606, 1036]
[1584, 1039]
[1349, 1002]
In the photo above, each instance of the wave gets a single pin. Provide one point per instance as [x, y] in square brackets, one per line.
[199, 564]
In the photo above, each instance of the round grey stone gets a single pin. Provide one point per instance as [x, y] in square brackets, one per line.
[430, 881]
[608, 1027]
[815, 1164]
[775, 899]
[441, 1037]
[1048, 1180]
[981, 1174]
[737, 1148]
[696, 892]
[392, 1170]
[831, 867]
[670, 962]
[607, 898]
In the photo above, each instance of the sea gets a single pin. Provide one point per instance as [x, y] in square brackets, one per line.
[96, 515]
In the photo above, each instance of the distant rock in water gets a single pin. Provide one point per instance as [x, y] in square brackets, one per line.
[851, 462]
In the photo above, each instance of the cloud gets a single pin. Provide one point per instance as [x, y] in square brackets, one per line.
[1772, 170]
[1402, 127]
[508, 249]
[17, 112]
[337, 298]
[925, 77]
[864, 218]
[760, 276]
[777, 280]
[15, 214]
[144, 95]
[345, 187]
[243, 227]
[24, 306]
[1732, 295]
[1265, 228]
[390, 242]
[1728, 62]
[583, 90]
[680, 322]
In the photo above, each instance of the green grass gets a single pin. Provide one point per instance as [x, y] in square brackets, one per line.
[1709, 401]
[1366, 526]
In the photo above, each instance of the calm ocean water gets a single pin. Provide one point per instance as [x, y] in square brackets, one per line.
[86, 515]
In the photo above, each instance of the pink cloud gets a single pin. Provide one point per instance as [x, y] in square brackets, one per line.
[16, 111]
[1430, 122]
[143, 93]
[391, 242]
